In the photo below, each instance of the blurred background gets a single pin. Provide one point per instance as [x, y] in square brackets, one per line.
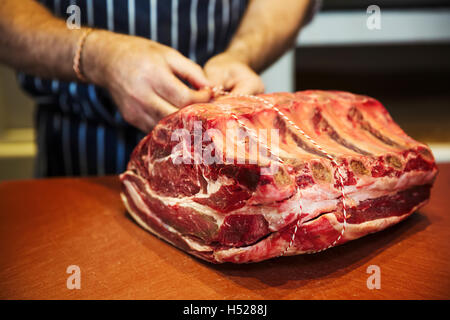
[405, 65]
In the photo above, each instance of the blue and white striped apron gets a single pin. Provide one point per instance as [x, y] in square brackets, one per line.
[79, 129]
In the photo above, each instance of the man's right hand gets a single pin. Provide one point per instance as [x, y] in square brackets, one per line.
[142, 76]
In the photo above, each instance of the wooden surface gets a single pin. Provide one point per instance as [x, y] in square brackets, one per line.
[47, 225]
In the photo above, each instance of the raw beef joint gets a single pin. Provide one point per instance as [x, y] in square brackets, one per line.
[244, 179]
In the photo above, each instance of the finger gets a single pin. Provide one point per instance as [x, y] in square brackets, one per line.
[177, 93]
[188, 70]
[146, 123]
[139, 119]
[252, 86]
[220, 81]
[219, 78]
[158, 108]
[148, 115]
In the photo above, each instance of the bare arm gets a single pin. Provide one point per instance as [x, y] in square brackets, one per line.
[141, 75]
[268, 29]
[34, 41]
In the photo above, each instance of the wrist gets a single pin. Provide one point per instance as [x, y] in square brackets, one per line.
[237, 56]
[95, 57]
[227, 60]
[239, 51]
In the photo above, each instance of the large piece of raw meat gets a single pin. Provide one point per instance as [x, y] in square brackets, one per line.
[286, 198]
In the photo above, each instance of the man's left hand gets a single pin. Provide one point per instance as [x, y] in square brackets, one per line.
[233, 75]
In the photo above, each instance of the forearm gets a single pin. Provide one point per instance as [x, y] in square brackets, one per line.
[34, 41]
[268, 29]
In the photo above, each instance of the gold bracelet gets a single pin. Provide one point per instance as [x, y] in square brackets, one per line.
[77, 57]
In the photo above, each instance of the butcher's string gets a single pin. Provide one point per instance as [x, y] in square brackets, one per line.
[217, 91]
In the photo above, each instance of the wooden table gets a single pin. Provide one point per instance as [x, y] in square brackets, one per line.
[47, 225]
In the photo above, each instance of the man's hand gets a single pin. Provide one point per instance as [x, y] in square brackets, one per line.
[143, 76]
[233, 75]
[266, 31]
